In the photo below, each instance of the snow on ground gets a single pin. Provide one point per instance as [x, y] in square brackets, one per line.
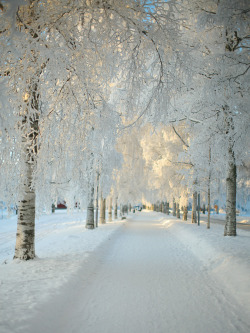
[242, 218]
[152, 274]
[62, 245]
[227, 258]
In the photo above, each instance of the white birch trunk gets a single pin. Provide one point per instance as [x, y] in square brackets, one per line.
[53, 208]
[208, 206]
[230, 227]
[102, 211]
[115, 210]
[174, 208]
[208, 191]
[110, 209]
[194, 207]
[185, 213]
[178, 211]
[167, 212]
[90, 220]
[165, 208]
[25, 236]
[97, 199]
[199, 208]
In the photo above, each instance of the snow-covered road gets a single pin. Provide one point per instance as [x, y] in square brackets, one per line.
[141, 280]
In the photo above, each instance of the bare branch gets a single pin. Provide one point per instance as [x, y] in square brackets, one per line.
[185, 144]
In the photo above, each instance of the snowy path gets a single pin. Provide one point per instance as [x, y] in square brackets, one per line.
[141, 280]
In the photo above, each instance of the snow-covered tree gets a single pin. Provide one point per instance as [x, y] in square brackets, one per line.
[59, 62]
[215, 67]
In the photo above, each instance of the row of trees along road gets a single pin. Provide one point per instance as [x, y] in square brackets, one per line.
[76, 74]
[217, 93]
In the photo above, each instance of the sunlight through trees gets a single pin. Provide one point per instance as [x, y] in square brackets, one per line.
[130, 101]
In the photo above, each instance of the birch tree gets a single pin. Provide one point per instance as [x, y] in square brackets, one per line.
[75, 50]
[217, 69]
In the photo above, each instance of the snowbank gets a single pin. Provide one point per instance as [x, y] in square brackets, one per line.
[226, 258]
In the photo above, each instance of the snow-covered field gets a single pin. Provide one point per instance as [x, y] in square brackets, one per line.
[151, 273]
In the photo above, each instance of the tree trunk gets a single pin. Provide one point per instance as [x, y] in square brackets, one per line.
[174, 208]
[177, 211]
[115, 211]
[199, 208]
[53, 208]
[97, 199]
[167, 212]
[194, 207]
[208, 191]
[230, 227]
[90, 221]
[102, 211]
[208, 207]
[25, 236]
[165, 208]
[110, 209]
[185, 213]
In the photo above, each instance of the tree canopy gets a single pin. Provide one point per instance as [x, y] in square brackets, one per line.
[84, 84]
